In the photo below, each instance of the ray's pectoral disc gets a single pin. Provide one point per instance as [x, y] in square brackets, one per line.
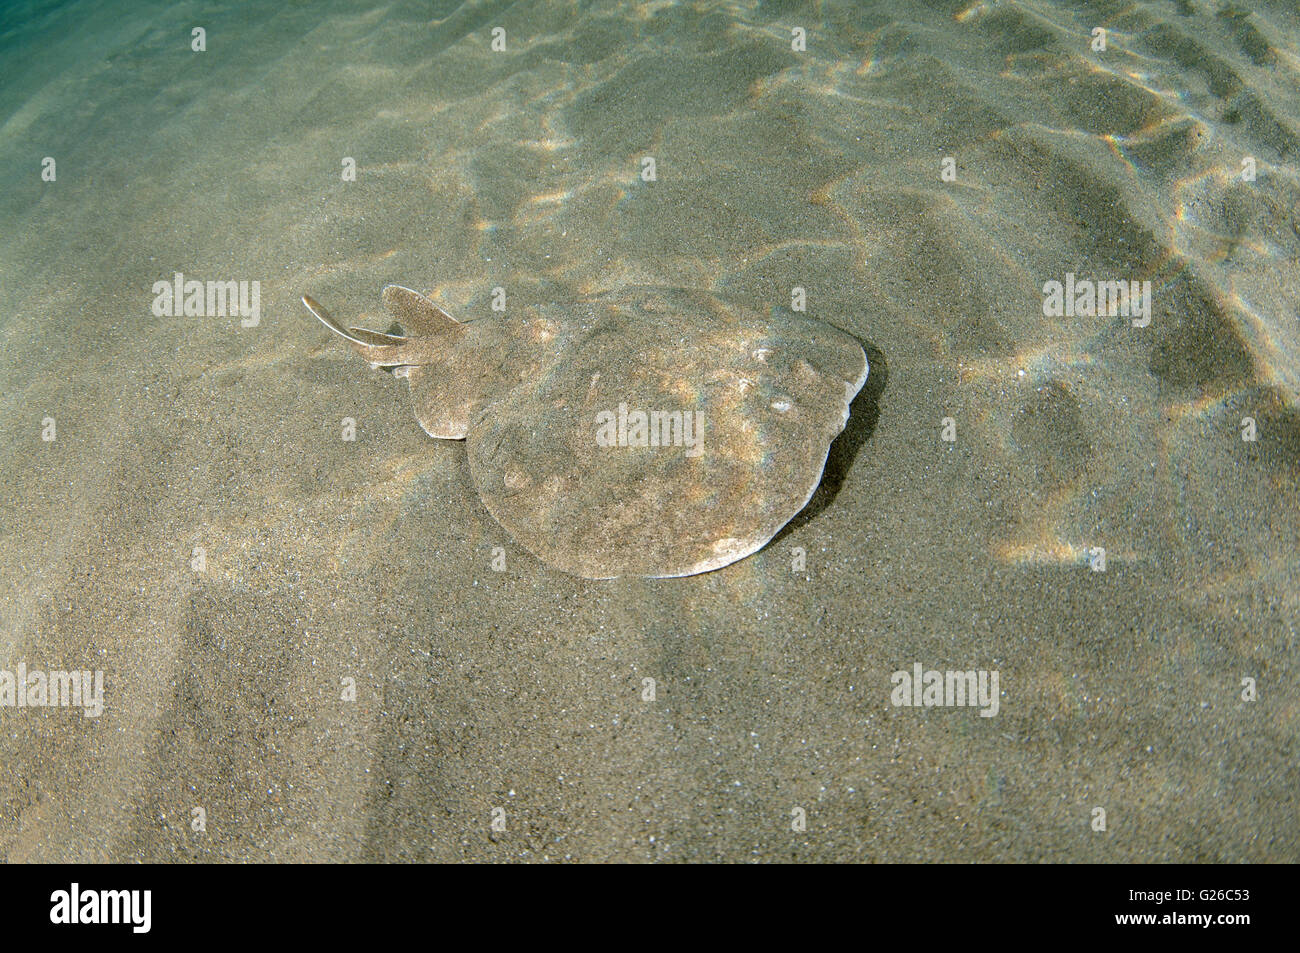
[629, 437]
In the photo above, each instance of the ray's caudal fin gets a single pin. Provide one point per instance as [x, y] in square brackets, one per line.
[419, 317]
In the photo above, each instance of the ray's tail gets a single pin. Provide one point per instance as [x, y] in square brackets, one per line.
[381, 350]
[421, 319]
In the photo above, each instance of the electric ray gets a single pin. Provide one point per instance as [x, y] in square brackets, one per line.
[656, 432]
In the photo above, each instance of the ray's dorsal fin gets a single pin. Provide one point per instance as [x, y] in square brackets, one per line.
[375, 338]
[418, 316]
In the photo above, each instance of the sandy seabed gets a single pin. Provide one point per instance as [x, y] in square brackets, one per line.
[1162, 690]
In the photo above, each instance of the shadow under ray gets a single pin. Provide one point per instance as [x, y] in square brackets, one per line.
[863, 414]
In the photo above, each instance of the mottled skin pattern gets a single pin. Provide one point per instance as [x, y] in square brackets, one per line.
[526, 391]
